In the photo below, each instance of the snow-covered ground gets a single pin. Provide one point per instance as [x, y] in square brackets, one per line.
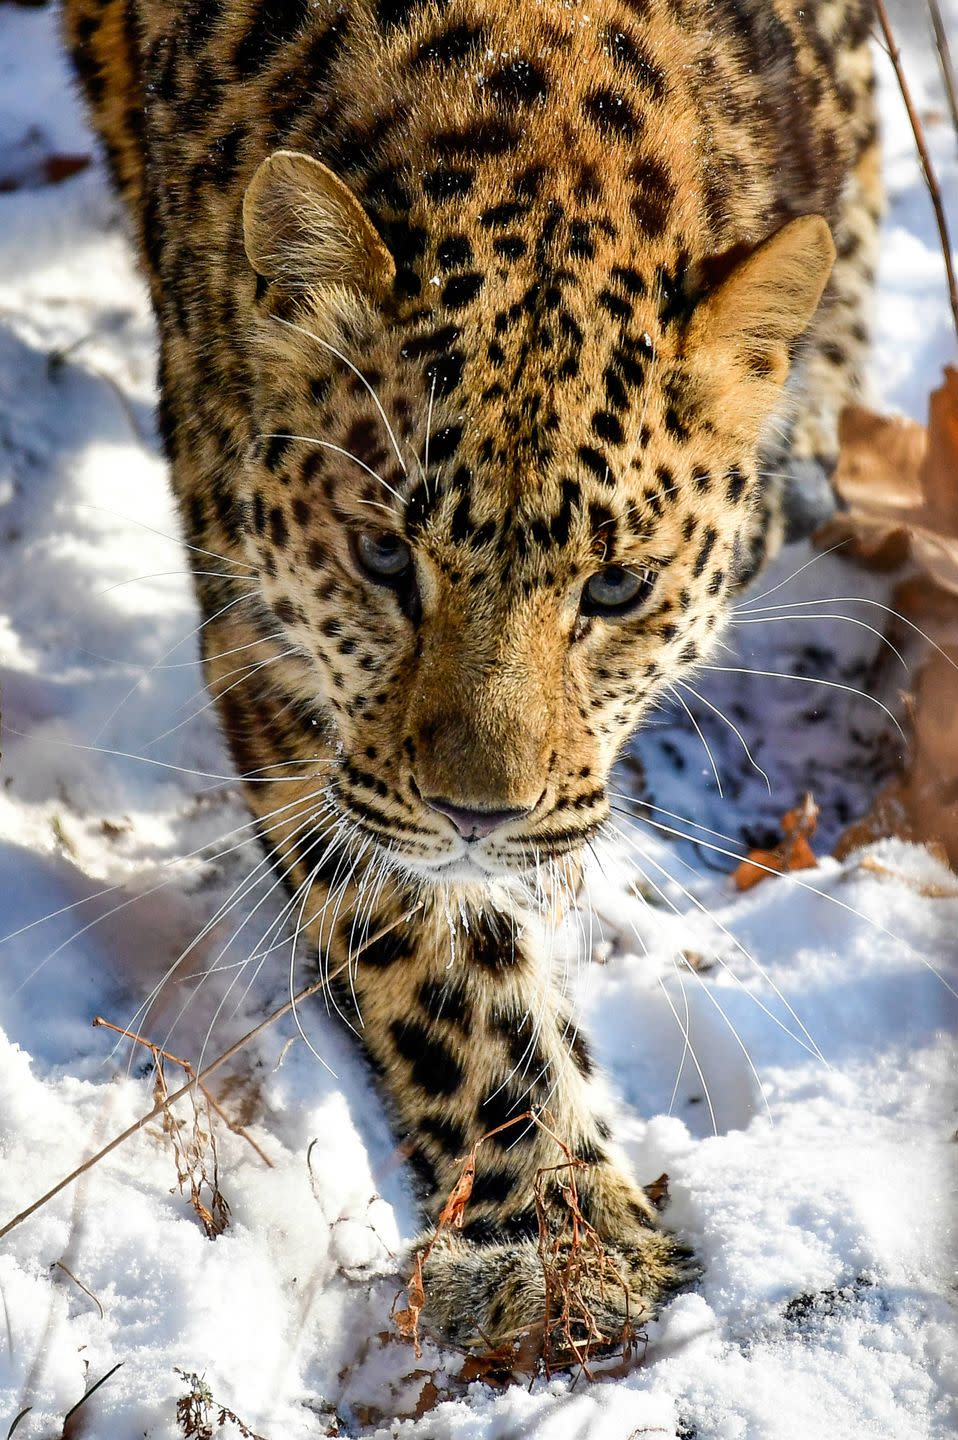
[809, 1142]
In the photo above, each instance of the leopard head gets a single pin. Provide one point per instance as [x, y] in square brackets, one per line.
[505, 467]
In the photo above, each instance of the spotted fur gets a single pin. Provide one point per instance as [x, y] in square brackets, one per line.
[517, 287]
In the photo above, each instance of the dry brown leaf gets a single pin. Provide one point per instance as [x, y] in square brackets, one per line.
[922, 805]
[517, 1357]
[58, 168]
[792, 853]
[407, 1320]
[900, 481]
[429, 1398]
[453, 1211]
[658, 1192]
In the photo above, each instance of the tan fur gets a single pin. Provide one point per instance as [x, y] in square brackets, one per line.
[517, 286]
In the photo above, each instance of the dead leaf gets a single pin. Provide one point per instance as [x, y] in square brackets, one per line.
[658, 1192]
[900, 481]
[61, 167]
[453, 1211]
[922, 804]
[792, 853]
[429, 1398]
[519, 1356]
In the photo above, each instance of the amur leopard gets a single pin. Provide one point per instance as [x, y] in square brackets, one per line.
[475, 322]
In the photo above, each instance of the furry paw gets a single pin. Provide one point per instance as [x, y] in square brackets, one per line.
[486, 1295]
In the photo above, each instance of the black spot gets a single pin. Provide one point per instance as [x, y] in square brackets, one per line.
[611, 112]
[276, 448]
[708, 545]
[616, 305]
[627, 54]
[520, 82]
[631, 280]
[596, 462]
[494, 945]
[454, 251]
[406, 242]
[273, 26]
[737, 483]
[458, 42]
[434, 1067]
[387, 949]
[448, 1001]
[444, 444]
[449, 1136]
[492, 1187]
[500, 215]
[443, 375]
[478, 139]
[461, 290]
[222, 161]
[675, 425]
[447, 183]
[385, 187]
[581, 1055]
[504, 1104]
[676, 301]
[615, 390]
[607, 427]
[430, 343]
[277, 527]
[510, 247]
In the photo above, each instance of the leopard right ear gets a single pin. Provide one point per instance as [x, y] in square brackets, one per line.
[303, 228]
[769, 299]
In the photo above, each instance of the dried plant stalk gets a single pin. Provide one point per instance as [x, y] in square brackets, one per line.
[211, 1069]
[928, 170]
[571, 1252]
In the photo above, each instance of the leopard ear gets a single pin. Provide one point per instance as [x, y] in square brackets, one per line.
[769, 299]
[304, 228]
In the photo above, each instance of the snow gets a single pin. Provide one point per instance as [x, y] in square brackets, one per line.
[809, 1142]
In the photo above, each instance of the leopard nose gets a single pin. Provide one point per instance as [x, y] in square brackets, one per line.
[473, 824]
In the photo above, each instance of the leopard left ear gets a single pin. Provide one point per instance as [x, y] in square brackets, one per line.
[766, 303]
[303, 228]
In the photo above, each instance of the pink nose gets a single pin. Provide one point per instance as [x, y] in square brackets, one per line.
[472, 824]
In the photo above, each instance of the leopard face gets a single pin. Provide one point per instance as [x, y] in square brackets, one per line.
[496, 518]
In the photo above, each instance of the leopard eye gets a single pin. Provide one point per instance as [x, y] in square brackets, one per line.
[616, 591]
[384, 557]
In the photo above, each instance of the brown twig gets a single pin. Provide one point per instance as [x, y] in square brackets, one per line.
[70, 1429]
[945, 61]
[60, 1266]
[568, 1256]
[931, 179]
[214, 1065]
[185, 1065]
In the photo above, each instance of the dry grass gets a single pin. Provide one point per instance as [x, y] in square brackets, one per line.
[574, 1263]
[193, 1141]
[200, 1417]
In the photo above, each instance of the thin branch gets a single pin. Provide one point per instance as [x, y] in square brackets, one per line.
[185, 1065]
[60, 1266]
[931, 180]
[93, 1388]
[945, 60]
[204, 1075]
